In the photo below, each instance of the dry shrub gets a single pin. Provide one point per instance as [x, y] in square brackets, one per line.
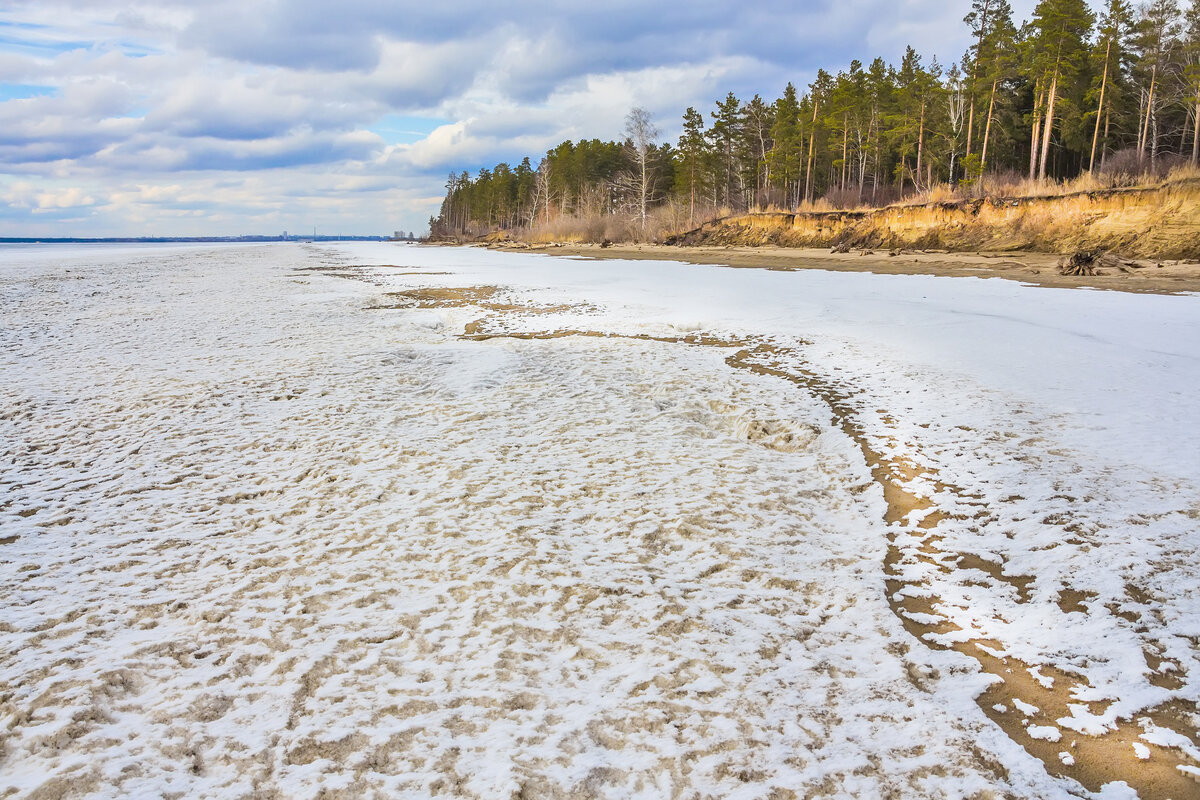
[1186, 171]
[820, 204]
[938, 193]
[1123, 169]
[621, 228]
[842, 199]
[596, 228]
[1010, 184]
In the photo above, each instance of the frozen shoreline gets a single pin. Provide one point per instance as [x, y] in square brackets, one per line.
[366, 546]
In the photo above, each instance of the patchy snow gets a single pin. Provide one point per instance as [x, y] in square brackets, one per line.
[1045, 732]
[259, 536]
[1026, 709]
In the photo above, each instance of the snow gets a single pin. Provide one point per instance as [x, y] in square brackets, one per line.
[1045, 732]
[271, 538]
[1026, 709]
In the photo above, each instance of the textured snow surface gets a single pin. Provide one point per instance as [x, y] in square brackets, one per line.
[260, 536]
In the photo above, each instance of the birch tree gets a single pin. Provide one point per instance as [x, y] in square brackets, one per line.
[1157, 27]
[640, 134]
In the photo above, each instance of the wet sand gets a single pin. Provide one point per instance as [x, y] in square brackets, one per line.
[1041, 269]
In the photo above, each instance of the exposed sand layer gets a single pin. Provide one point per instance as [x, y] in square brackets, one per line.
[1161, 221]
[1159, 277]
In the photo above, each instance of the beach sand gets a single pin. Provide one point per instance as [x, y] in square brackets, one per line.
[1041, 269]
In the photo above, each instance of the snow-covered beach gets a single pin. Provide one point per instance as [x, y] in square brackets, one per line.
[271, 522]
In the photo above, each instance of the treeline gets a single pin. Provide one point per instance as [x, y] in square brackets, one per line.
[1066, 93]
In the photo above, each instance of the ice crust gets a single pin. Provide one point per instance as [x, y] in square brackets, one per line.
[269, 538]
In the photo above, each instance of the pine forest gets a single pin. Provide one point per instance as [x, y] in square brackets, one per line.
[1069, 98]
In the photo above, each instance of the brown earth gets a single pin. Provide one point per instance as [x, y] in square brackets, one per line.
[1155, 232]
[1157, 222]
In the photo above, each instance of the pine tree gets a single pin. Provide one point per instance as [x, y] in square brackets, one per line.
[980, 21]
[820, 90]
[693, 152]
[757, 119]
[1111, 53]
[881, 85]
[785, 157]
[1191, 59]
[724, 135]
[998, 51]
[1058, 55]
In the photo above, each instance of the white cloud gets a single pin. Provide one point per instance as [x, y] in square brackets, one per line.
[238, 112]
[27, 195]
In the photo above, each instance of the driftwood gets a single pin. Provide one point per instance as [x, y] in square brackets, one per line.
[842, 247]
[1085, 263]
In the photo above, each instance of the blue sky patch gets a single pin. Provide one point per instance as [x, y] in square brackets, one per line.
[20, 91]
[400, 129]
[37, 47]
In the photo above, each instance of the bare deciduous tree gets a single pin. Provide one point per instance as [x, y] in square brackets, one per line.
[641, 132]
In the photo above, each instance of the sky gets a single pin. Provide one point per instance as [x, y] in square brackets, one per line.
[229, 117]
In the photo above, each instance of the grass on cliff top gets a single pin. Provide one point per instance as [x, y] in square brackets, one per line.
[675, 217]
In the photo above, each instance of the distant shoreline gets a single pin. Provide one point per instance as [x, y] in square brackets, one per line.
[182, 239]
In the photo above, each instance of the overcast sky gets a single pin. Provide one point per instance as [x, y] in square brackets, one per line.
[258, 116]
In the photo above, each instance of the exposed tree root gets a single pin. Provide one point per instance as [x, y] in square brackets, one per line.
[1086, 263]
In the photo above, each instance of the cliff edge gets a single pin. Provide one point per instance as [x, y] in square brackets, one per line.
[1157, 222]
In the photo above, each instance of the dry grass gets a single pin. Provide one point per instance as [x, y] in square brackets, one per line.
[663, 221]
[1121, 172]
[1037, 226]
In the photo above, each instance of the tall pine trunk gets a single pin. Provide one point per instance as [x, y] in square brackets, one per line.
[812, 140]
[1143, 138]
[1049, 126]
[692, 205]
[1100, 107]
[845, 147]
[1037, 128]
[920, 143]
[1196, 129]
[1104, 146]
[971, 118]
[987, 129]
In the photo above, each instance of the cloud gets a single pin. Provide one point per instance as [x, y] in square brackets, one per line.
[26, 195]
[236, 112]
